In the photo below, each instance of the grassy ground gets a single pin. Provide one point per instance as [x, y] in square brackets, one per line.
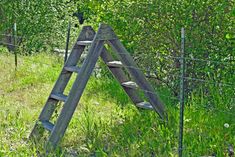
[105, 123]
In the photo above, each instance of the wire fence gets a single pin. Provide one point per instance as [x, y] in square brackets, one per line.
[215, 110]
[13, 41]
[13, 36]
[197, 59]
[187, 78]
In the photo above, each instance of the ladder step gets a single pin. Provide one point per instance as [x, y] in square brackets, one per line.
[116, 64]
[130, 84]
[84, 43]
[72, 68]
[145, 105]
[60, 97]
[47, 125]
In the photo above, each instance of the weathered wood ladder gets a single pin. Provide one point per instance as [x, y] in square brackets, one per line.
[105, 35]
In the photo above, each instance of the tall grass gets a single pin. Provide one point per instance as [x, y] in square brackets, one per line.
[106, 123]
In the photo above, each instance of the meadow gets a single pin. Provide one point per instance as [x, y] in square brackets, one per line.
[106, 123]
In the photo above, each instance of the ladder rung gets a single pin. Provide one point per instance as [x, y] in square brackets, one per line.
[84, 43]
[47, 125]
[145, 105]
[72, 69]
[60, 97]
[117, 64]
[130, 84]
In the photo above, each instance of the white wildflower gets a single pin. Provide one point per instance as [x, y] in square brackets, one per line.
[226, 125]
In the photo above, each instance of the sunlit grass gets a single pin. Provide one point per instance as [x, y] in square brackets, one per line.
[105, 123]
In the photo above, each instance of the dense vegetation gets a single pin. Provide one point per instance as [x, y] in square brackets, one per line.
[149, 29]
[109, 124]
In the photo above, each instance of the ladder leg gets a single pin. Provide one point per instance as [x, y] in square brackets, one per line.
[119, 74]
[87, 33]
[75, 94]
[59, 87]
[38, 129]
[138, 76]
[61, 84]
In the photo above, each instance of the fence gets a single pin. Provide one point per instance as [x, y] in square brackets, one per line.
[224, 110]
[12, 42]
[209, 97]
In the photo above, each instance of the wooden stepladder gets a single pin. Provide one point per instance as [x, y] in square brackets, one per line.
[105, 35]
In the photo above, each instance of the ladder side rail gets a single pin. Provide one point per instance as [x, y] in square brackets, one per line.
[138, 76]
[61, 83]
[119, 74]
[64, 77]
[106, 33]
[59, 87]
[75, 94]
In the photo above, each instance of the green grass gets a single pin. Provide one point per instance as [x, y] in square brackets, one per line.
[106, 123]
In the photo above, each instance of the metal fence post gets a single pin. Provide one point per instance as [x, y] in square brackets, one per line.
[67, 42]
[15, 42]
[182, 69]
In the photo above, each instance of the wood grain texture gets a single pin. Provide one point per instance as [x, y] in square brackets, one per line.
[106, 33]
[76, 92]
[120, 75]
[139, 77]
[87, 33]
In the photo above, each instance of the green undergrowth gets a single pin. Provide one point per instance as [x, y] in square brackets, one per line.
[105, 123]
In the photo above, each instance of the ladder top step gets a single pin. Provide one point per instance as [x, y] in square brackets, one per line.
[117, 64]
[72, 69]
[84, 43]
[130, 84]
[47, 125]
[145, 105]
[60, 97]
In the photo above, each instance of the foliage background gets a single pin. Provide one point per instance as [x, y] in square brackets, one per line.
[149, 29]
